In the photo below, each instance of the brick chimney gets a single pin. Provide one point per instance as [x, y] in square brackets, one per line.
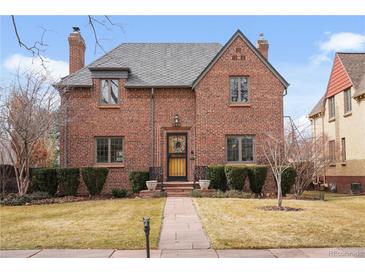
[263, 46]
[77, 50]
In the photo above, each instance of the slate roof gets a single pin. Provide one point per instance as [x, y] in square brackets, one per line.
[151, 64]
[354, 64]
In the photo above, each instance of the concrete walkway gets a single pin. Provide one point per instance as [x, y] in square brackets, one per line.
[189, 253]
[181, 227]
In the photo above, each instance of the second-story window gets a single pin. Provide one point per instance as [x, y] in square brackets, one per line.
[239, 90]
[331, 107]
[109, 92]
[347, 101]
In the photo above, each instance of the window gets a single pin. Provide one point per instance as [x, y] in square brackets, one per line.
[331, 150]
[343, 150]
[347, 101]
[109, 150]
[109, 92]
[331, 106]
[239, 89]
[240, 148]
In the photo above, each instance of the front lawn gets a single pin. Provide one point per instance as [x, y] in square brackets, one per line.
[115, 224]
[240, 223]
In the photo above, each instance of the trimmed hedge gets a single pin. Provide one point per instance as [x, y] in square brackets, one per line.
[138, 180]
[119, 192]
[94, 178]
[236, 176]
[217, 177]
[69, 180]
[45, 180]
[257, 177]
[288, 180]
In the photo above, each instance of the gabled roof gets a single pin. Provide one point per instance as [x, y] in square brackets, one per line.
[238, 33]
[318, 108]
[354, 64]
[151, 64]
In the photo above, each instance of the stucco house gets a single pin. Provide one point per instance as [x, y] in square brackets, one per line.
[170, 107]
[340, 115]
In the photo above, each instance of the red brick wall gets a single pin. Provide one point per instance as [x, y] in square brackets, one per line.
[205, 114]
[132, 121]
[216, 118]
[343, 183]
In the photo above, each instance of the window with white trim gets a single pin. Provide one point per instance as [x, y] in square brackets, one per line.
[240, 148]
[109, 92]
[109, 150]
[238, 89]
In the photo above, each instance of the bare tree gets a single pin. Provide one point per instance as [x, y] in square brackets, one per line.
[29, 111]
[309, 157]
[276, 150]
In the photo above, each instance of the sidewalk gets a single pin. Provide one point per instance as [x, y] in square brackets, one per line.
[188, 253]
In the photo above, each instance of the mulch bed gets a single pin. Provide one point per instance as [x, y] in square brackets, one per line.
[276, 208]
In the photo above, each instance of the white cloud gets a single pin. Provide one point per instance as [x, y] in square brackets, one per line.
[54, 69]
[343, 41]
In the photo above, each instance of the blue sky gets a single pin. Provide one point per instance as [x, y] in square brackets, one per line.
[301, 47]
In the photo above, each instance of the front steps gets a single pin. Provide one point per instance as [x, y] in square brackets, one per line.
[178, 189]
[172, 189]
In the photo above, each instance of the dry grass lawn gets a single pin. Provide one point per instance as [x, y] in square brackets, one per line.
[93, 224]
[239, 223]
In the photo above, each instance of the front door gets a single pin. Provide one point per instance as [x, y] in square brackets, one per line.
[177, 156]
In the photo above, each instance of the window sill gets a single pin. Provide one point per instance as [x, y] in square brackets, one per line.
[332, 165]
[332, 120]
[109, 165]
[109, 106]
[343, 163]
[240, 163]
[347, 114]
[239, 105]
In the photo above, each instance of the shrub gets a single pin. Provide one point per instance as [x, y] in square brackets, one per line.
[94, 178]
[234, 194]
[69, 180]
[288, 180]
[257, 176]
[196, 193]
[138, 180]
[219, 194]
[119, 192]
[15, 200]
[45, 180]
[236, 176]
[217, 177]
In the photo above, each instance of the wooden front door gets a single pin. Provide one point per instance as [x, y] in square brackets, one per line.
[177, 145]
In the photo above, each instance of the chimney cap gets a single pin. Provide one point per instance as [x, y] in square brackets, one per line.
[261, 36]
[76, 29]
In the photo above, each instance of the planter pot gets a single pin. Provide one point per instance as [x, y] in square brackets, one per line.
[151, 185]
[204, 184]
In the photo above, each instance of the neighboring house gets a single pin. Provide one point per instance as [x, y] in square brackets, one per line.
[340, 115]
[170, 107]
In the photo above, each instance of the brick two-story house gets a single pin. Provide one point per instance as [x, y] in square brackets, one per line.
[170, 107]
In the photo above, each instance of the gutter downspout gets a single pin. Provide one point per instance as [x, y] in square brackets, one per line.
[153, 127]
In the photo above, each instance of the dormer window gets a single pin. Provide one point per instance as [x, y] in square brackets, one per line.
[109, 92]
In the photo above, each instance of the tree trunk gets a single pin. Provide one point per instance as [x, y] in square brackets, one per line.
[280, 194]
